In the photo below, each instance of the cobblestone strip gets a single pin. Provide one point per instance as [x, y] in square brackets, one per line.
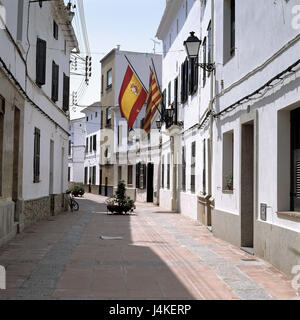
[239, 283]
[41, 283]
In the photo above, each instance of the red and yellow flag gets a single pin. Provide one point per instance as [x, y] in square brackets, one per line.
[153, 101]
[132, 97]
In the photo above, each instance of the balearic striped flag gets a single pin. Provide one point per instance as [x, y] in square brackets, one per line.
[153, 101]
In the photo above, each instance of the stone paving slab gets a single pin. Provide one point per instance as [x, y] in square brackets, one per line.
[161, 256]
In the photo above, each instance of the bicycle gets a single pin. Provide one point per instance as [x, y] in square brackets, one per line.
[73, 204]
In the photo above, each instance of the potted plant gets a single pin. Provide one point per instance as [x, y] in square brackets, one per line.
[229, 182]
[76, 191]
[120, 203]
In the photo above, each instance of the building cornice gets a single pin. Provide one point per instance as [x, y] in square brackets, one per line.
[65, 17]
[172, 7]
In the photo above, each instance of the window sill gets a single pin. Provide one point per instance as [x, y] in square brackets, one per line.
[108, 87]
[291, 214]
[227, 191]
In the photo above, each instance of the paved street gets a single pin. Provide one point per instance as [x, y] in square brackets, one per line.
[162, 255]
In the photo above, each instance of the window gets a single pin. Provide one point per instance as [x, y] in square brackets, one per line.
[66, 93]
[2, 111]
[163, 172]
[101, 120]
[169, 93]
[55, 76]
[193, 76]
[108, 117]
[96, 114]
[204, 48]
[36, 155]
[183, 171]
[91, 143]
[229, 30]
[69, 173]
[95, 142]
[91, 117]
[129, 174]
[184, 81]
[141, 176]
[209, 45]
[193, 166]
[41, 3]
[70, 147]
[168, 171]
[86, 145]
[20, 20]
[228, 161]
[176, 98]
[55, 30]
[109, 79]
[41, 49]
[186, 8]
[94, 175]
[203, 7]
[102, 83]
[119, 135]
[87, 119]
[85, 175]
[232, 28]
[119, 173]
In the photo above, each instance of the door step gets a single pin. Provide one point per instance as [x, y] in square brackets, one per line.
[248, 250]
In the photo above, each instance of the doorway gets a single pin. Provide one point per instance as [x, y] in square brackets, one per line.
[51, 167]
[16, 153]
[150, 169]
[106, 186]
[295, 160]
[100, 181]
[247, 186]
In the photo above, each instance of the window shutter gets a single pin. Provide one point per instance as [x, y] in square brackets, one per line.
[36, 156]
[55, 74]
[94, 142]
[182, 83]
[66, 93]
[137, 174]
[144, 177]
[190, 76]
[41, 49]
[196, 75]
[101, 120]
[186, 80]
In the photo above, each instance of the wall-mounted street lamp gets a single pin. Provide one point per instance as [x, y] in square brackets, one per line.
[192, 46]
[168, 116]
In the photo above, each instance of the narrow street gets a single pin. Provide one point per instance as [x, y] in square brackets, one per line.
[161, 256]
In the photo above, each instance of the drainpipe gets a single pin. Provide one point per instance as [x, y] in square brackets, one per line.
[212, 82]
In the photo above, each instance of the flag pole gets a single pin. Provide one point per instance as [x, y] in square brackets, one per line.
[156, 75]
[159, 90]
[135, 73]
[158, 87]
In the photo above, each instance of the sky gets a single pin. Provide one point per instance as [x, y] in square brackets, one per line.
[128, 23]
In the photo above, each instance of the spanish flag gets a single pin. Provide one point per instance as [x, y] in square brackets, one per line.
[132, 97]
[153, 101]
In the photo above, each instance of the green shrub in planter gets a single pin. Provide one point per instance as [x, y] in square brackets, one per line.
[119, 203]
[77, 191]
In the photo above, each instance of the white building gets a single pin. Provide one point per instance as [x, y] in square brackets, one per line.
[76, 150]
[91, 170]
[240, 123]
[124, 158]
[257, 128]
[35, 54]
[186, 90]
